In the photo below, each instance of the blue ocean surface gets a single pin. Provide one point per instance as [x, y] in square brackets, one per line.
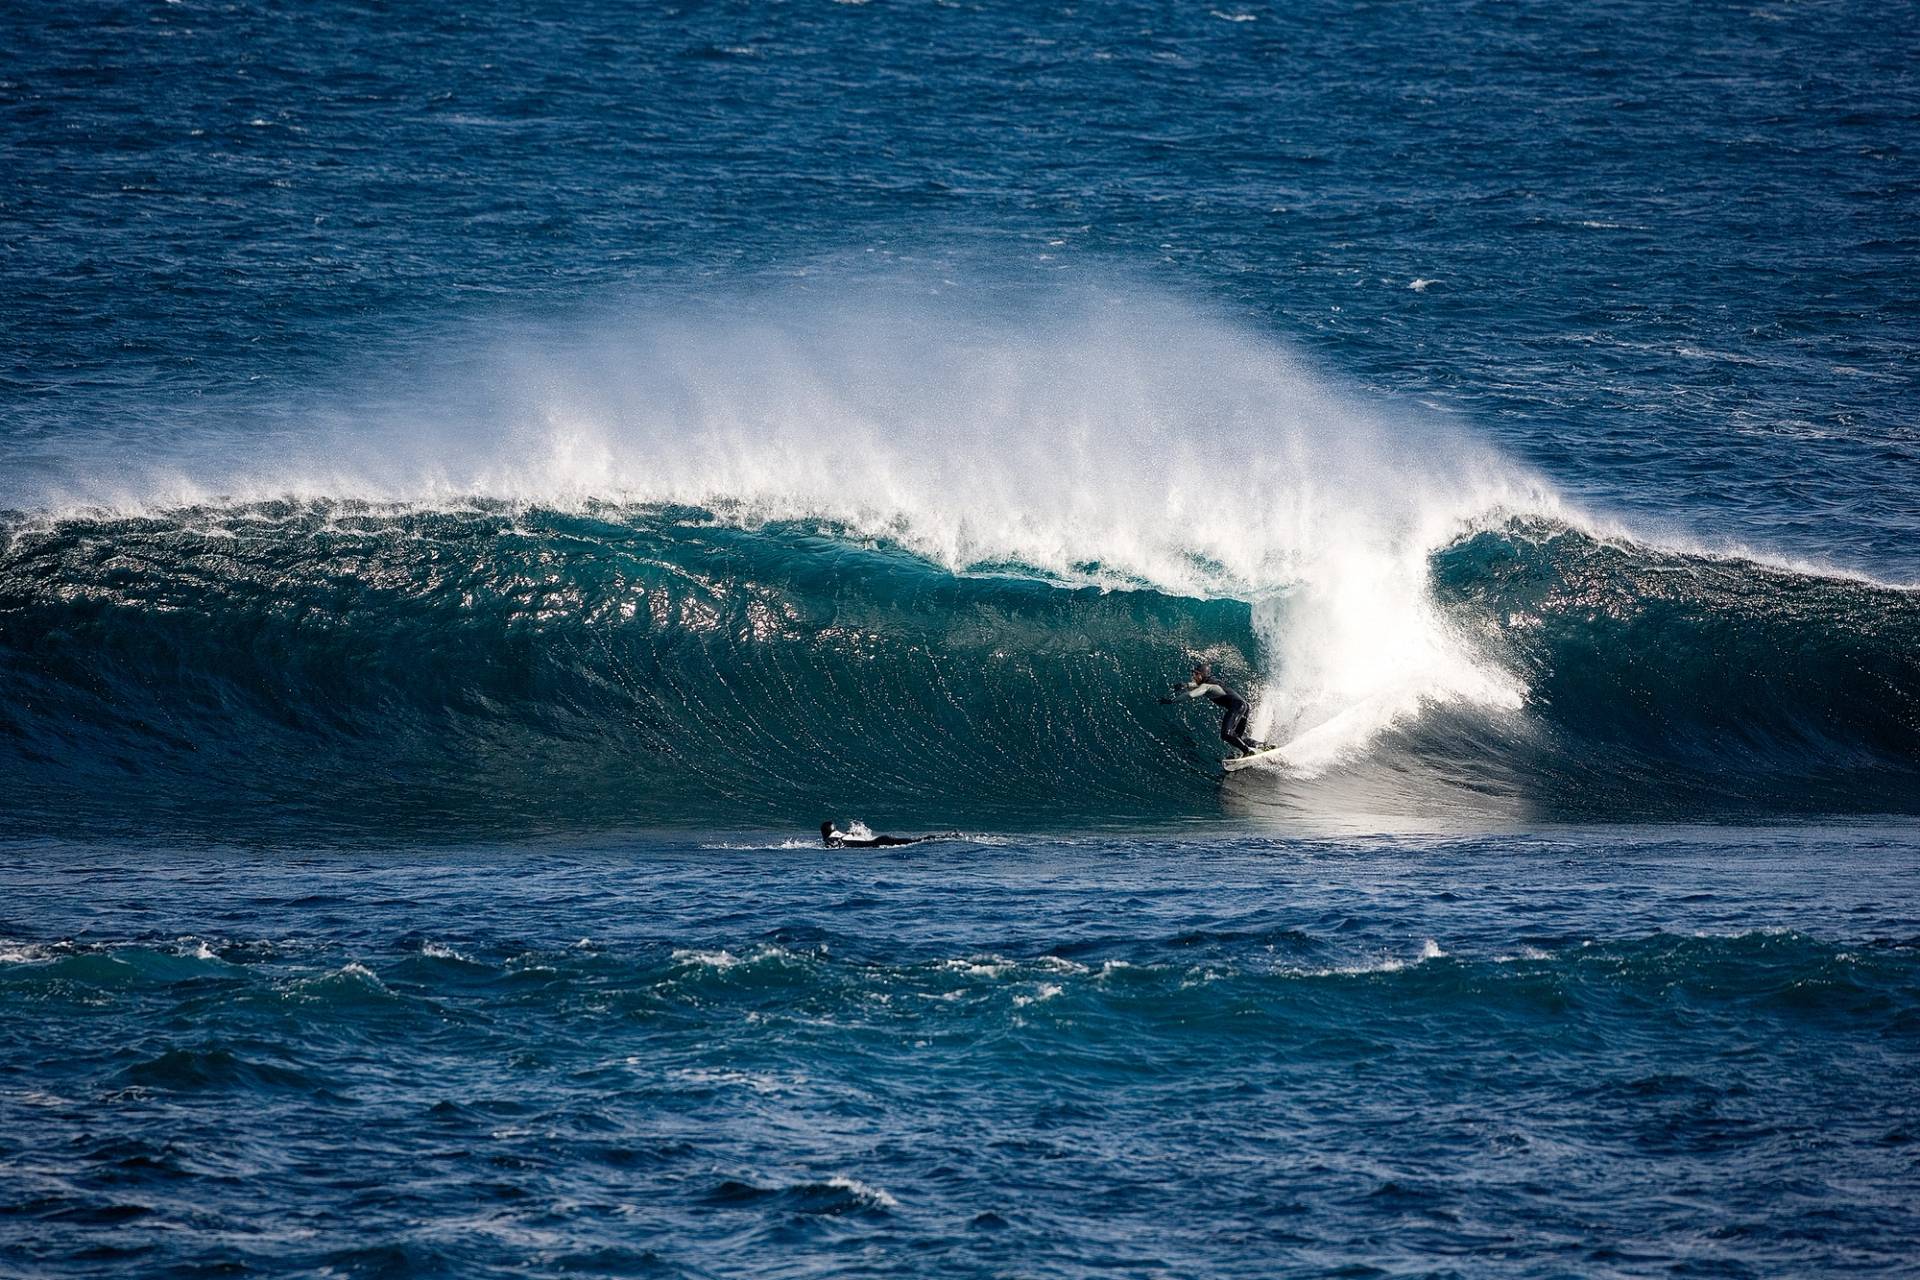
[1627, 1053]
[479, 486]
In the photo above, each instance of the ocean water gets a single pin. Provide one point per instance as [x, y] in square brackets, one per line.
[477, 488]
[1612, 1053]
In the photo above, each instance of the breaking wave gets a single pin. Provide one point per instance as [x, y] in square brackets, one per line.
[765, 563]
[331, 666]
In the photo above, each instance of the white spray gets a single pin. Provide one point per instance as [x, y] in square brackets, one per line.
[1119, 437]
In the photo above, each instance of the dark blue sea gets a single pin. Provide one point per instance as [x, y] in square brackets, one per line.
[479, 485]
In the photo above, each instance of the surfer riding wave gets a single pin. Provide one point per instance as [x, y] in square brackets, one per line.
[1233, 708]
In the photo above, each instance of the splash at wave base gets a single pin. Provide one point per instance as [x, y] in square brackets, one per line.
[323, 667]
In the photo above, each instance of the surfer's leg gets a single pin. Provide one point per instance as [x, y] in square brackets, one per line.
[1233, 726]
[1246, 714]
[1240, 730]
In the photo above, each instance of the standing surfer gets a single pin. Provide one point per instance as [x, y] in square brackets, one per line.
[1233, 707]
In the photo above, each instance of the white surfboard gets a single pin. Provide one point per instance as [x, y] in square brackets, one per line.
[1231, 763]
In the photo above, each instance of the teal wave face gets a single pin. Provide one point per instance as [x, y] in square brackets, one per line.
[1660, 681]
[333, 667]
[337, 667]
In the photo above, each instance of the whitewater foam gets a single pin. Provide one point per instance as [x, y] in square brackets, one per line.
[865, 1192]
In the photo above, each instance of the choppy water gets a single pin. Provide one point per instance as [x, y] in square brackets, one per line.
[1645, 1052]
[447, 458]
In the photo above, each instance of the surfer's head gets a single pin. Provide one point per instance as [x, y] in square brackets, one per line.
[1202, 671]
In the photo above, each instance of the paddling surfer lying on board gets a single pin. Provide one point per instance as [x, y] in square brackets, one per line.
[858, 837]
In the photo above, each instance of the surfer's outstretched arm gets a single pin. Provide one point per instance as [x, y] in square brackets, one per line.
[1189, 690]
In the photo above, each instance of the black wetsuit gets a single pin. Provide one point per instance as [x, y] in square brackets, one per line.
[838, 841]
[1233, 708]
[834, 838]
